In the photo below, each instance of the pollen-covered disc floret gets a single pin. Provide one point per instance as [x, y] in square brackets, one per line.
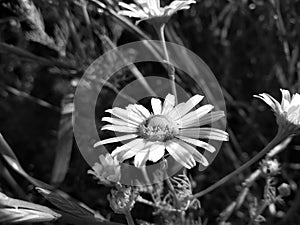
[174, 128]
[287, 113]
[158, 128]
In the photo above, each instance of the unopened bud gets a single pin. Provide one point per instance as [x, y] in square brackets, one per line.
[284, 190]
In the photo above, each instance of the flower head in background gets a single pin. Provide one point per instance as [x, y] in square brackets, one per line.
[108, 170]
[176, 129]
[287, 112]
[152, 11]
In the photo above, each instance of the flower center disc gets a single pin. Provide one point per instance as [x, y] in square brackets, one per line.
[158, 128]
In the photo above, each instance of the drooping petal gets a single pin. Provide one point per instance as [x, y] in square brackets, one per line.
[157, 151]
[156, 106]
[135, 144]
[197, 155]
[130, 152]
[141, 158]
[123, 129]
[198, 143]
[273, 103]
[180, 154]
[115, 139]
[205, 133]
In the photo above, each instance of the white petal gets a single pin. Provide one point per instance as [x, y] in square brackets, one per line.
[190, 104]
[205, 133]
[119, 122]
[133, 151]
[136, 144]
[197, 155]
[198, 143]
[130, 14]
[115, 139]
[130, 7]
[156, 106]
[295, 100]
[168, 104]
[206, 119]
[157, 151]
[175, 112]
[180, 154]
[286, 99]
[126, 115]
[273, 103]
[141, 158]
[201, 111]
[139, 109]
[116, 128]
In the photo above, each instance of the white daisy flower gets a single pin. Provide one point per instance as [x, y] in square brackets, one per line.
[287, 113]
[176, 129]
[151, 9]
[108, 170]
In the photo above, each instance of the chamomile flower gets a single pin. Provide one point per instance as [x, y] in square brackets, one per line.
[107, 170]
[152, 11]
[174, 128]
[287, 113]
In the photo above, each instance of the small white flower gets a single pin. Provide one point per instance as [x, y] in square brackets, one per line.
[151, 9]
[287, 113]
[172, 128]
[108, 170]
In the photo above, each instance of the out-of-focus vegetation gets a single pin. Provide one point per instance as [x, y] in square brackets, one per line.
[45, 47]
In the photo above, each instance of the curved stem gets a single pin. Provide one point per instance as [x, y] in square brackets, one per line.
[171, 69]
[277, 139]
[129, 218]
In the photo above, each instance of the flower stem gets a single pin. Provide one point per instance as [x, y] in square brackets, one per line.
[276, 140]
[129, 218]
[171, 68]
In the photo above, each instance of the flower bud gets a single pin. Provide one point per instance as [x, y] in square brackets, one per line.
[284, 190]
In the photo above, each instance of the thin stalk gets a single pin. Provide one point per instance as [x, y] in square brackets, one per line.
[277, 139]
[147, 179]
[171, 69]
[129, 218]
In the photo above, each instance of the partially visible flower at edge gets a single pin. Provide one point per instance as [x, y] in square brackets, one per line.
[287, 113]
[108, 170]
[171, 127]
[151, 10]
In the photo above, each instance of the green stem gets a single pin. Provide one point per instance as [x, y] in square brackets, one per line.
[277, 139]
[171, 69]
[129, 218]
[147, 179]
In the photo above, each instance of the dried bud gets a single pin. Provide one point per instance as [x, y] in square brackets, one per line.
[284, 190]
[123, 199]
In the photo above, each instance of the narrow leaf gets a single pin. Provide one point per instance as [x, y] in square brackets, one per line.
[16, 211]
[64, 143]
